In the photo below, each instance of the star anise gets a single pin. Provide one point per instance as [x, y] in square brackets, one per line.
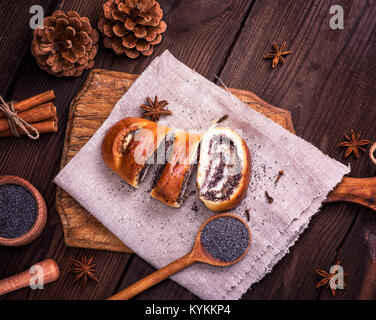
[84, 268]
[354, 144]
[277, 54]
[155, 109]
[327, 276]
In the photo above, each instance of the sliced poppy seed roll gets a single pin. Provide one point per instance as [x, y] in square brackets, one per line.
[129, 146]
[173, 179]
[224, 169]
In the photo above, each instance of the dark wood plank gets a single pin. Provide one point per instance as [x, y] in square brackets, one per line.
[202, 43]
[357, 256]
[199, 33]
[329, 88]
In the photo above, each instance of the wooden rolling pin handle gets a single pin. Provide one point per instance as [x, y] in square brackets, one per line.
[21, 280]
[357, 190]
[154, 278]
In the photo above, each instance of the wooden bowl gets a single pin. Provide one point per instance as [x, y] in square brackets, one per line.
[40, 220]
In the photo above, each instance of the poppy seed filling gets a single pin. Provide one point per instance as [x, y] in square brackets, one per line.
[224, 170]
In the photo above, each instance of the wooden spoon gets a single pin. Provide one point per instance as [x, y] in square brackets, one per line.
[197, 254]
[357, 190]
[21, 280]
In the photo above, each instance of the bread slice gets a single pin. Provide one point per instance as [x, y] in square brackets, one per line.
[129, 146]
[173, 179]
[224, 169]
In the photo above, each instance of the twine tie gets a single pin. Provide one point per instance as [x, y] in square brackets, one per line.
[16, 122]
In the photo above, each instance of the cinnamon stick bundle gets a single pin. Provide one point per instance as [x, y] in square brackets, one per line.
[36, 111]
[32, 102]
[40, 113]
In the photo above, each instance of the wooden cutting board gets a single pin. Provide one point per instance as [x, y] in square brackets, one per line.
[88, 111]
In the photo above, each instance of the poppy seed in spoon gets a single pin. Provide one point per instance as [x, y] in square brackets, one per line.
[225, 238]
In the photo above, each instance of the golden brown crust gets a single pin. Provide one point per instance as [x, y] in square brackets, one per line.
[127, 157]
[241, 190]
[121, 153]
[169, 186]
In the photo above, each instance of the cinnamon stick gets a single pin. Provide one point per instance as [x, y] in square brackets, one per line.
[42, 127]
[32, 102]
[40, 113]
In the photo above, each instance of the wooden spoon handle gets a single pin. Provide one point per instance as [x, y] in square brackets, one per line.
[46, 271]
[357, 190]
[154, 278]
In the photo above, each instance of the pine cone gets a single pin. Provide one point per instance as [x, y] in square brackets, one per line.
[132, 27]
[66, 45]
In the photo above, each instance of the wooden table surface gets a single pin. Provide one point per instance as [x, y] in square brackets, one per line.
[328, 83]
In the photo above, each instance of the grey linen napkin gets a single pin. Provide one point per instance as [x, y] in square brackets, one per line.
[160, 234]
